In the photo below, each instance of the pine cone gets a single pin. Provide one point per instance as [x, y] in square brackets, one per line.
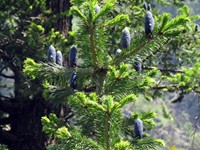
[149, 23]
[73, 83]
[145, 5]
[196, 28]
[73, 56]
[149, 7]
[59, 58]
[51, 54]
[125, 38]
[138, 129]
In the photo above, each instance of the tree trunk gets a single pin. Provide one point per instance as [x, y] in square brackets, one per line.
[62, 23]
[26, 126]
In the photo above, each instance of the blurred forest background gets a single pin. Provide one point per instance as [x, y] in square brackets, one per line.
[178, 130]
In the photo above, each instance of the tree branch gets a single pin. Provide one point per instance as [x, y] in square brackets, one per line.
[164, 86]
[134, 51]
[163, 70]
[5, 97]
[196, 89]
[92, 46]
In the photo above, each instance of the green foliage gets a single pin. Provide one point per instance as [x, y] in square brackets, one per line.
[3, 147]
[184, 11]
[120, 19]
[53, 126]
[166, 113]
[173, 27]
[106, 82]
[123, 145]
[187, 80]
[149, 144]
[95, 26]
[56, 38]
[131, 80]
[47, 72]
[147, 119]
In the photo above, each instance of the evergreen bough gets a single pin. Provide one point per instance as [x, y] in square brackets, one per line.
[106, 83]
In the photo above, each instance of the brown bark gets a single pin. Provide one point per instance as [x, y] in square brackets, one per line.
[63, 22]
[25, 123]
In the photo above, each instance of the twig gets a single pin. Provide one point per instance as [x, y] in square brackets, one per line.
[5, 97]
[127, 55]
[6, 76]
[163, 70]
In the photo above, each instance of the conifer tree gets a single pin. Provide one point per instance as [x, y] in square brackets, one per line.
[27, 29]
[107, 82]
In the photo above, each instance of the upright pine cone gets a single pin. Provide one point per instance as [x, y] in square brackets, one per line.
[73, 58]
[125, 38]
[73, 83]
[138, 129]
[196, 28]
[51, 53]
[149, 7]
[149, 23]
[59, 58]
[145, 5]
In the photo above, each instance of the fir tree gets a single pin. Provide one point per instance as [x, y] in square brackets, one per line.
[106, 82]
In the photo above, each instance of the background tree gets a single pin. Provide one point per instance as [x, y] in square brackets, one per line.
[106, 82]
[27, 28]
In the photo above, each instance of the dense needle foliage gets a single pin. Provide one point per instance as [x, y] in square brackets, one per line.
[107, 82]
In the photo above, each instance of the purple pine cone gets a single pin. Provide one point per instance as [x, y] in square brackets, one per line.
[73, 56]
[145, 5]
[59, 58]
[51, 54]
[138, 65]
[138, 129]
[149, 7]
[125, 38]
[73, 83]
[149, 23]
[196, 28]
